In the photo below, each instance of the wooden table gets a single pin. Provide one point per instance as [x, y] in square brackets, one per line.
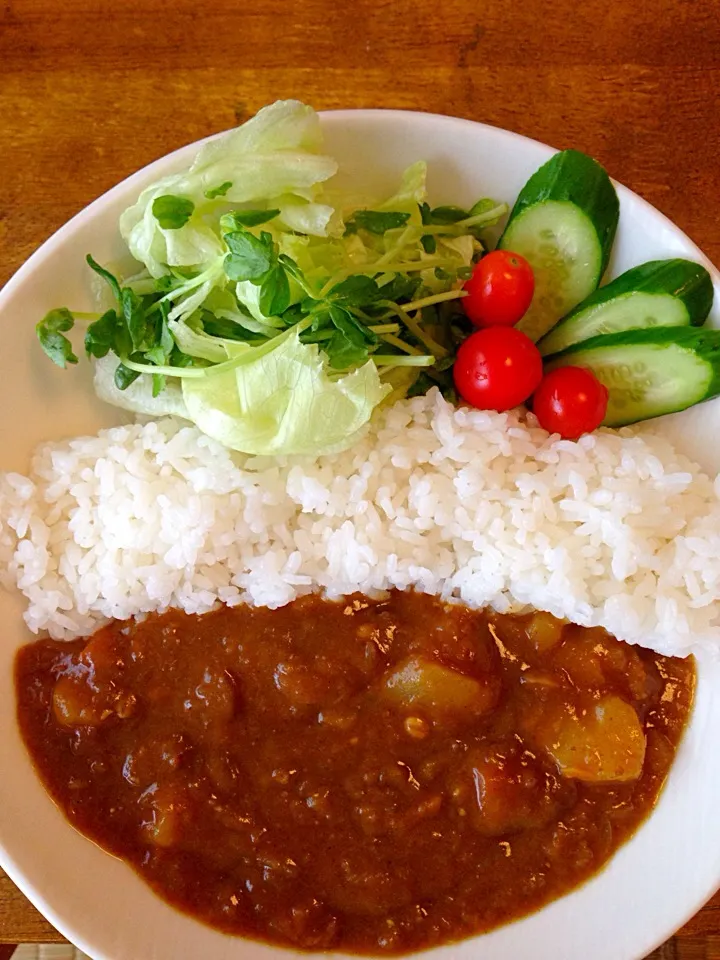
[92, 90]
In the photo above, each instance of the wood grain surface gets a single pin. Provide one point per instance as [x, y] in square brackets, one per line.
[91, 90]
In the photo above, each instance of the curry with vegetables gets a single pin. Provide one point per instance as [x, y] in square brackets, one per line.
[371, 775]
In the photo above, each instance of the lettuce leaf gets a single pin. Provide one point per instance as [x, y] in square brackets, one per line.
[284, 402]
[312, 219]
[138, 397]
[411, 192]
[272, 155]
[281, 403]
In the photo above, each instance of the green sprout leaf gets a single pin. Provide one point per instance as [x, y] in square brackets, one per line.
[428, 242]
[161, 351]
[111, 281]
[274, 292]
[294, 314]
[485, 205]
[102, 335]
[346, 323]
[343, 353]
[134, 314]
[124, 376]
[50, 332]
[349, 345]
[171, 212]
[376, 221]
[401, 288]
[180, 359]
[250, 257]
[165, 283]
[247, 218]
[227, 329]
[218, 191]
[447, 215]
[356, 291]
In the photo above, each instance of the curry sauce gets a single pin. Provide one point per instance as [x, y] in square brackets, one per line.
[376, 776]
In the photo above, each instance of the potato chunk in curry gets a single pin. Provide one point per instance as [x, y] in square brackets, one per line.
[598, 743]
[438, 692]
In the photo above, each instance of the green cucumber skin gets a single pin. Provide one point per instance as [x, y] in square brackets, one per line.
[574, 177]
[704, 344]
[683, 279]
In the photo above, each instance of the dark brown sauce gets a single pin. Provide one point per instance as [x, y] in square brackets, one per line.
[371, 776]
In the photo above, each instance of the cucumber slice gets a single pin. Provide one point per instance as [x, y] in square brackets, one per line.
[564, 224]
[649, 372]
[661, 293]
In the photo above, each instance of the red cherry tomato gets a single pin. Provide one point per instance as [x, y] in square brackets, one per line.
[497, 368]
[570, 401]
[500, 290]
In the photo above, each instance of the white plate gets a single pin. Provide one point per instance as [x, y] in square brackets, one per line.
[653, 884]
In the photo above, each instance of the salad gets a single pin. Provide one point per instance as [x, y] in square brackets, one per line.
[278, 314]
[272, 312]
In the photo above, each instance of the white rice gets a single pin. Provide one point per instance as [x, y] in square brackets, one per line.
[615, 530]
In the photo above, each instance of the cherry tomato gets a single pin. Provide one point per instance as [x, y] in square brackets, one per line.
[500, 290]
[570, 401]
[497, 368]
